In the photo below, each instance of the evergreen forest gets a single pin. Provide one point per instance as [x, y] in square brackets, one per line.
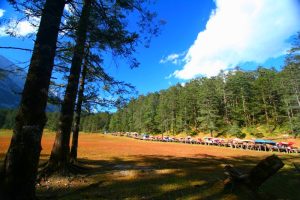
[263, 101]
[257, 102]
[98, 122]
[222, 105]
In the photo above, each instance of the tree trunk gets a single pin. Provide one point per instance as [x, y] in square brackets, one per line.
[173, 122]
[185, 119]
[275, 112]
[264, 170]
[265, 109]
[289, 114]
[59, 158]
[296, 92]
[195, 117]
[250, 182]
[225, 106]
[73, 154]
[245, 110]
[19, 172]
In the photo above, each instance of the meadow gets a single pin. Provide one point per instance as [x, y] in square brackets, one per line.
[125, 168]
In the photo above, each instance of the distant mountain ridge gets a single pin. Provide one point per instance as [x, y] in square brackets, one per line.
[12, 80]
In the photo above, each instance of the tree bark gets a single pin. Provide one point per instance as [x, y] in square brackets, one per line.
[264, 170]
[59, 158]
[73, 154]
[275, 112]
[225, 106]
[19, 172]
[297, 97]
[250, 182]
[265, 109]
[245, 110]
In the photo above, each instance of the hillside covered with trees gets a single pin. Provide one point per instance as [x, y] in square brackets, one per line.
[224, 104]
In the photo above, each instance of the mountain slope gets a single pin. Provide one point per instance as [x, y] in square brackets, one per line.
[11, 83]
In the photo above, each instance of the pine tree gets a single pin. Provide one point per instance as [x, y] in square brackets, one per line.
[59, 158]
[19, 173]
[95, 15]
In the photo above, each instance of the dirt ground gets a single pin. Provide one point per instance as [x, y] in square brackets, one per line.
[125, 168]
[99, 146]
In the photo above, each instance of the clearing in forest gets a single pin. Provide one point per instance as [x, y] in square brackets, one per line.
[124, 168]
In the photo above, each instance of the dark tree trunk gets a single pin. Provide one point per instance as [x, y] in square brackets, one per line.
[256, 177]
[59, 158]
[73, 154]
[19, 172]
[264, 170]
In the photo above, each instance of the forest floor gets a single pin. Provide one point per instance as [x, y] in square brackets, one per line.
[125, 168]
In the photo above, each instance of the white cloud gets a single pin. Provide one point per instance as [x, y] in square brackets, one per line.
[241, 31]
[2, 12]
[26, 27]
[175, 58]
[169, 76]
[170, 58]
[20, 28]
[69, 9]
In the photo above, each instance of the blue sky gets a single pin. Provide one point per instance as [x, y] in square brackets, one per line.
[200, 38]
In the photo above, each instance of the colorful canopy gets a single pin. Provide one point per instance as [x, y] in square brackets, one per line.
[261, 141]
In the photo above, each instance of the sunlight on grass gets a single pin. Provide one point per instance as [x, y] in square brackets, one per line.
[181, 185]
[171, 187]
[125, 168]
[197, 183]
[6, 132]
[178, 172]
[126, 174]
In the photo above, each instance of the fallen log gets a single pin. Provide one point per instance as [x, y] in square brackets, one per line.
[252, 180]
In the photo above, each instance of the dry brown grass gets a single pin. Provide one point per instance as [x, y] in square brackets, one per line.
[125, 168]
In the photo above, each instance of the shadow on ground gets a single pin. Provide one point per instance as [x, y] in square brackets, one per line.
[167, 177]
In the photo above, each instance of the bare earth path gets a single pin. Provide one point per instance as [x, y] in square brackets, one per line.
[125, 168]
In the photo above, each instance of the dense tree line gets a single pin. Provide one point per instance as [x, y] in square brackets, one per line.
[95, 122]
[225, 103]
[7, 118]
[98, 122]
[221, 104]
